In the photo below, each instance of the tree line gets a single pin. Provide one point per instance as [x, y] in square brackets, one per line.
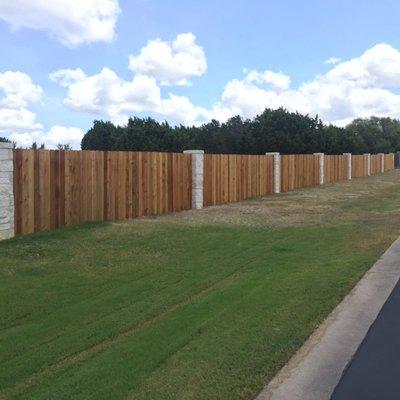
[273, 130]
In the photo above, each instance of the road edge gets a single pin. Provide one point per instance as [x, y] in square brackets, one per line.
[316, 368]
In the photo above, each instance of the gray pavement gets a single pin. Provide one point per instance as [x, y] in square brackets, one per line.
[374, 371]
[315, 370]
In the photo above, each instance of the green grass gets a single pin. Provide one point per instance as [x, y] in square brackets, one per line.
[170, 308]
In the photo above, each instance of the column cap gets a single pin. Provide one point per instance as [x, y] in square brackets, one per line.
[193, 152]
[273, 153]
[347, 154]
[366, 154]
[6, 145]
[318, 154]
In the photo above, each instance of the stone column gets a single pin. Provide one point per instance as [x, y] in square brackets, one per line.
[321, 167]
[382, 161]
[368, 163]
[6, 191]
[277, 171]
[197, 177]
[348, 165]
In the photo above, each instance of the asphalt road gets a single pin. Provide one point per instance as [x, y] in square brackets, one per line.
[374, 371]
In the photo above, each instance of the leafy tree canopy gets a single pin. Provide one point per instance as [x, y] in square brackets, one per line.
[273, 130]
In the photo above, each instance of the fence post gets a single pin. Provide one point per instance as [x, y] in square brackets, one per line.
[277, 171]
[382, 161]
[197, 177]
[348, 165]
[368, 163]
[6, 191]
[321, 167]
[397, 159]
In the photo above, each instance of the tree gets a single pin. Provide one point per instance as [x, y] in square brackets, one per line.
[64, 147]
[34, 146]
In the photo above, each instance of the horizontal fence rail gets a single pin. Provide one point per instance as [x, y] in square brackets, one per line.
[62, 188]
[46, 189]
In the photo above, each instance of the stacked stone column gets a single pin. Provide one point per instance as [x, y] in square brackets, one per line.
[6, 191]
[197, 177]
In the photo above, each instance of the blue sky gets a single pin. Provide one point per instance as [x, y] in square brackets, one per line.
[241, 57]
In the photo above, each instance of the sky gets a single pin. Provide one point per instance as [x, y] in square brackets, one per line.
[65, 63]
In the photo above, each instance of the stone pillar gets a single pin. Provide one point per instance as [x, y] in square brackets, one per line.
[382, 161]
[321, 167]
[277, 171]
[6, 191]
[197, 177]
[348, 165]
[368, 163]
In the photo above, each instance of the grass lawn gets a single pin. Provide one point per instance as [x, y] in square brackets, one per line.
[197, 305]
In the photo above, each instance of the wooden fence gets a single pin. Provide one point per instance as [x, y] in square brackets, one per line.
[375, 164]
[62, 188]
[56, 188]
[299, 171]
[389, 162]
[335, 168]
[359, 166]
[229, 178]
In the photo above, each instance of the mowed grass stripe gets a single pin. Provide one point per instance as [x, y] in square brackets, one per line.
[108, 326]
[172, 309]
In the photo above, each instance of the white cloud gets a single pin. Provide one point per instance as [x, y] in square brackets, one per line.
[332, 60]
[170, 63]
[17, 93]
[72, 22]
[19, 123]
[106, 94]
[17, 120]
[277, 80]
[180, 110]
[56, 135]
[360, 87]
[363, 86]
[19, 90]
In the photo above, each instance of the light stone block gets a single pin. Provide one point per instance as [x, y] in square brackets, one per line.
[368, 163]
[277, 171]
[348, 165]
[321, 167]
[6, 191]
[197, 178]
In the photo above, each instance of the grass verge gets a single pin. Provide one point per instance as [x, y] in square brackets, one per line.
[199, 305]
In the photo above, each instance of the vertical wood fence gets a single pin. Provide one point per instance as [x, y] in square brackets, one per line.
[389, 162]
[229, 178]
[299, 171]
[335, 168]
[359, 166]
[375, 164]
[62, 188]
[56, 188]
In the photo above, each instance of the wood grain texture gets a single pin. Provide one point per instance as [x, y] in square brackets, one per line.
[231, 177]
[359, 166]
[64, 188]
[375, 164]
[335, 168]
[299, 171]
